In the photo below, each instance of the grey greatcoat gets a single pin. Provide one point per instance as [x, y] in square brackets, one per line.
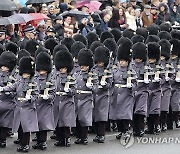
[7, 103]
[154, 101]
[64, 109]
[25, 112]
[84, 105]
[166, 91]
[123, 97]
[45, 107]
[175, 97]
[101, 98]
[141, 90]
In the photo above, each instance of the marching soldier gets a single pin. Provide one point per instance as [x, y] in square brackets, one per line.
[141, 89]
[65, 92]
[123, 94]
[154, 101]
[25, 114]
[7, 105]
[101, 98]
[85, 86]
[45, 101]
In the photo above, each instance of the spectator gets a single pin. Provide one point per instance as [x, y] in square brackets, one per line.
[131, 19]
[44, 10]
[122, 19]
[68, 26]
[147, 17]
[154, 12]
[89, 27]
[113, 22]
[163, 15]
[11, 34]
[139, 21]
[175, 16]
[41, 32]
[51, 13]
[85, 9]
[48, 23]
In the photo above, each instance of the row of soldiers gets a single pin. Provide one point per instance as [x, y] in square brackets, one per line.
[78, 81]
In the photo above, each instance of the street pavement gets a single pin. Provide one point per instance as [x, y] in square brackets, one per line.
[165, 143]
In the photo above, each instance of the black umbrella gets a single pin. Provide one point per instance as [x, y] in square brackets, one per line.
[8, 20]
[75, 13]
[38, 1]
[8, 5]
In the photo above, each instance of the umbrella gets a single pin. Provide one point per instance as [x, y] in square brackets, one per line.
[93, 6]
[8, 21]
[38, 1]
[79, 4]
[22, 18]
[39, 16]
[75, 13]
[8, 5]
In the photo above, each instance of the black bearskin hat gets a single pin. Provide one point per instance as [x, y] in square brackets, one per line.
[153, 29]
[85, 58]
[165, 27]
[44, 62]
[154, 51]
[23, 53]
[176, 45]
[91, 37]
[81, 38]
[164, 35]
[39, 50]
[50, 44]
[8, 59]
[76, 47]
[31, 47]
[2, 49]
[26, 65]
[58, 48]
[94, 45]
[137, 38]
[64, 59]
[67, 42]
[152, 38]
[143, 32]
[139, 51]
[101, 54]
[175, 34]
[129, 33]
[105, 35]
[11, 46]
[110, 43]
[116, 33]
[165, 48]
[124, 40]
[124, 52]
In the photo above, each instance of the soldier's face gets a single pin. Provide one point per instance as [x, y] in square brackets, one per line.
[4, 69]
[162, 58]
[42, 72]
[63, 70]
[26, 75]
[84, 68]
[152, 61]
[100, 64]
[174, 56]
[138, 60]
[123, 63]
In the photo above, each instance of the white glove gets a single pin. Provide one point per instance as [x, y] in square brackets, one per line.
[103, 83]
[167, 78]
[1, 89]
[89, 85]
[129, 86]
[45, 97]
[66, 90]
[28, 97]
[177, 79]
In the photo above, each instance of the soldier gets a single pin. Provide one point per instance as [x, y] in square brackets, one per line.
[154, 101]
[175, 83]
[123, 100]
[45, 101]
[25, 114]
[101, 97]
[65, 92]
[84, 96]
[141, 89]
[165, 83]
[7, 105]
